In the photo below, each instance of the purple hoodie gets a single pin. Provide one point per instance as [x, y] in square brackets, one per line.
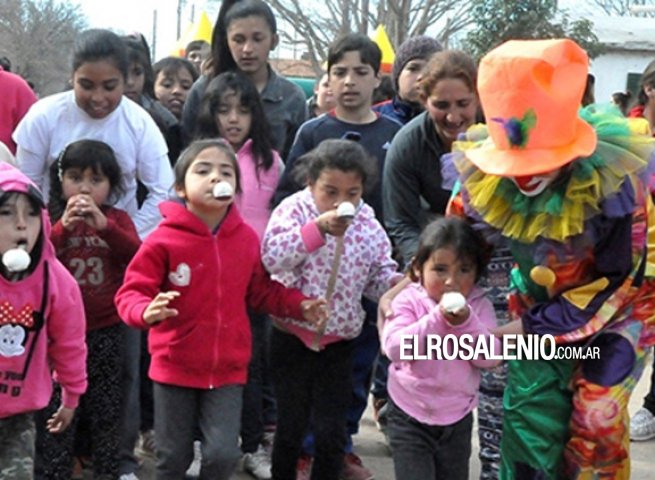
[42, 324]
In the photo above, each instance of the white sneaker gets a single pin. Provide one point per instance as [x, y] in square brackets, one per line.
[128, 476]
[642, 426]
[194, 469]
[258, 464]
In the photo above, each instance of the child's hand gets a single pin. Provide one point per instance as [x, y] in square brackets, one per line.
[515, 327]
[158, 309]
[329, 223]
[61, 419]
[315, 311]
[456, 317]
[82, 208]
[72, 213]
[93, 216]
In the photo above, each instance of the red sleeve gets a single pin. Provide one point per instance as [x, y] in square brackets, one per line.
[266, 295]
[58, 235]
[143, 280]
[121, 235]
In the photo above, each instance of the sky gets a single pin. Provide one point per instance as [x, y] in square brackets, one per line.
[127, 16]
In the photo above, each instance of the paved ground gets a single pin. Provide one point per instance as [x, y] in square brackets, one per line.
[369, 444]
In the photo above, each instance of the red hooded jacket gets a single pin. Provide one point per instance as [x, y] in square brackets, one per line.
[208, 344]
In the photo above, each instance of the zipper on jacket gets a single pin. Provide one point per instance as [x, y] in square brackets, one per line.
[220, 316]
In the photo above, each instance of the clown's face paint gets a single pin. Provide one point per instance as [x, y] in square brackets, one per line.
[533, 185]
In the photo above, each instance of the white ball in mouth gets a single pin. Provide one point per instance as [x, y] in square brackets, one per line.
[346, 210]
[223, 190]
[453, 301]
[16, 260]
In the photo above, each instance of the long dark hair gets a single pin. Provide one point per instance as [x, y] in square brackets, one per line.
[83, 154]
[238, 84]
[138, 52]
[222, 60]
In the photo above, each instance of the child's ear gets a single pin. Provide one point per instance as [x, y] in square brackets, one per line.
[378, 79]
[415, 273]
[180, 191]
[274, 41]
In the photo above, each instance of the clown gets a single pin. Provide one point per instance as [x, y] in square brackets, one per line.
[568, 191]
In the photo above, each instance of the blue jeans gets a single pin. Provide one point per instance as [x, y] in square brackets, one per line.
[181, 412]
[429, 452]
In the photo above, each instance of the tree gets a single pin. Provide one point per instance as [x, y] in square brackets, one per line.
[624, 8]
[318, 25]
[500, 20]
[37, 36]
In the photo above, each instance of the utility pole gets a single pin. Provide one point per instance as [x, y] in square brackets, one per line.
[153, 43]
[179, 17]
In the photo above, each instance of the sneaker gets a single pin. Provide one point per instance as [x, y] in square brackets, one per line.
[145, 446]
[258, 464]
[354, 469]
[304, 467]
[128, 476]
[642, 426]
[194, 469]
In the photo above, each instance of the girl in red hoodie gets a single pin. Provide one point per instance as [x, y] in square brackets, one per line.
[191, 283]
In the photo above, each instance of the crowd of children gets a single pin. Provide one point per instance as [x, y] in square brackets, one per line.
[197, 260]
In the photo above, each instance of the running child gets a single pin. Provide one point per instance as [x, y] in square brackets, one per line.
[190, 283]
[41, 326]
[431, 401]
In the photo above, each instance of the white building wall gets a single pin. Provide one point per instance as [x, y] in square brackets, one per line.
[611, 70]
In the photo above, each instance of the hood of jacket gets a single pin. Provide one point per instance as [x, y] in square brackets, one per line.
[13, 180]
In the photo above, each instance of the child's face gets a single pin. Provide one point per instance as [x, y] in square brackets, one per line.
[408, 80]
[324, 97]
[98, 88]
[333, 187]
[250, 41]
[76, 181]
[172, 89]
[197, 56]
[20, 224]
[352, 82]
[233, 120]
[211, 166]
[136, 77]
[452, 107]
[445, 272]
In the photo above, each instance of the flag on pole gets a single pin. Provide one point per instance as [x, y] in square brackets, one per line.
[201, 30]
[388, 56]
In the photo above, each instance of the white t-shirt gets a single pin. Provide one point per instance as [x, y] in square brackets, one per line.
[55, 121]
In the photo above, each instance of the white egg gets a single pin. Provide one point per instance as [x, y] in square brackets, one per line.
[223, 190]
[346, 210]
[16, 260]
[453, 301]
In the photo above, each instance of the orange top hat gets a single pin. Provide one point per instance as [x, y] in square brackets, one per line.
[530, 91]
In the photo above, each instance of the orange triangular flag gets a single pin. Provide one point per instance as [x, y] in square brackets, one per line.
[388, 56]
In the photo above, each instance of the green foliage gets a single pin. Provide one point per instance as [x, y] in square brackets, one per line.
[500, 20]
